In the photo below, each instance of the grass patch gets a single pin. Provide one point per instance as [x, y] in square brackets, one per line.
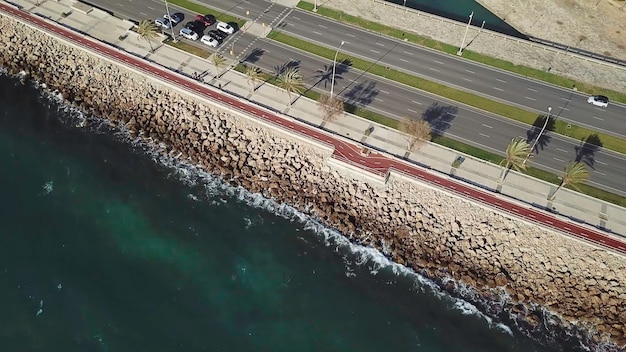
[454, 144]
[188, 48]
[468, 54]
[515, 113]
[201, 9]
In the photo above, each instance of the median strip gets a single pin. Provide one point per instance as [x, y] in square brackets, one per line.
[468, 54]
[470, 99]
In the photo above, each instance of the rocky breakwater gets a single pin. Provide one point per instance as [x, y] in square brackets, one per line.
[429, 231]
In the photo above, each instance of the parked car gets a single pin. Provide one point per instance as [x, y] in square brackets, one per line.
[195, 26]
[174, 18]
[217, 35]
[210, 41]
[225, 27]
[206, 19]
[189, 34]
[163, 23]
[598, 100]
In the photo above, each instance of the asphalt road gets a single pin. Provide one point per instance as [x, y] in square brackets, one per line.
[375, 163]
[374, 93]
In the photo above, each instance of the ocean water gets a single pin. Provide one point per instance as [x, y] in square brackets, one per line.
[106, 247]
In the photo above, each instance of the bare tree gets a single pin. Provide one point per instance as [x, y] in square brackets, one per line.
[330, 107]
[418, 131]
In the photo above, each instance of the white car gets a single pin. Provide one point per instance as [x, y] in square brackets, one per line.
[189, 34]
[163, 23]
[225, 27]
[598, 100]
[210, 41]
[174, 18]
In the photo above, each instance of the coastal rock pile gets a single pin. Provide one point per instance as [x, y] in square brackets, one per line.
[422, 228]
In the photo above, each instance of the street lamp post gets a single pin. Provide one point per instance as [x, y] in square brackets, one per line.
[460, 52]
[315, 6]
[539, 135]
[405, 9]
[167, 10]
[332, 83]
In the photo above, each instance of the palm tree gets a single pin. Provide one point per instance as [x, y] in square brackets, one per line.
[418, 132]
[515, 156]
[147, 31]
[254, 75]
[330, 107]
[218, 60]
[574, 174]
[290, 80]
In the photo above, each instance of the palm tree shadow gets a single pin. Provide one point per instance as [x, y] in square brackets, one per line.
[535, 129]
[280, 69]
[439, 117]
[325, 75]
[253, 56]
[585, 152]
[359, 96]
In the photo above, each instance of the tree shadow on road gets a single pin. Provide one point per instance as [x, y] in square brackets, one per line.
[325, 74]
[535, 129]
[359, 95]
[439, 117]
[280, 69]
[253, 56]
[586, 150]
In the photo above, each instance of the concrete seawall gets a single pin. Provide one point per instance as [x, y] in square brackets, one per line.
[427, 230]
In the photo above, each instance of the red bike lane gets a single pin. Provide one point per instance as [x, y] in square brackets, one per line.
[375, 163]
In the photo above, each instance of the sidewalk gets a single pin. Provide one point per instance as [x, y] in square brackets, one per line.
[525, 189]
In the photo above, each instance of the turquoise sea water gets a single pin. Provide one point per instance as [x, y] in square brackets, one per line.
[103, 248]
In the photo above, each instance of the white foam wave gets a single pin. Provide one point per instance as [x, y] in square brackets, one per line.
[48, 187]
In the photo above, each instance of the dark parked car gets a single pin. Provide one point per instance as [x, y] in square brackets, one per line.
[195, 26]
[217, 35]
[206, 19]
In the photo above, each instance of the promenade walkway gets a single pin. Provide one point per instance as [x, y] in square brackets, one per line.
[347, 134]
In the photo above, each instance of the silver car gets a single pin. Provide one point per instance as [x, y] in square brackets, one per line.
[598, 100]
[163, 23]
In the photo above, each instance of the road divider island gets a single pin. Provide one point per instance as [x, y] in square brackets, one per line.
[505, 265]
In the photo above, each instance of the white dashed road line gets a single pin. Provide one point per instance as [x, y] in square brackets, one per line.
[500, 89]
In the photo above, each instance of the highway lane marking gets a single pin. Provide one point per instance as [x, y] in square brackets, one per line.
[557, 159]
[562, 150]
[472, 72]
[563, 108]
[484, 135]
[601, 163]
[467, 79]
[321, 25]
[381, 44]
[408, 53]
[500, 80]
[350, 35]
[411, 110]
[384, 91]
[600, 109]
[439, 62]
[500, 89]
[377, 52]
[120, 5]
[532, 90]
[403, 60]
[529, 98]
[318, 33]
[433, 69]
[598, 118]
[487, 126]
[152, 8]
[416, 102]
[378, 99]
[295, 17]
[143, 14]
[598, 172]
